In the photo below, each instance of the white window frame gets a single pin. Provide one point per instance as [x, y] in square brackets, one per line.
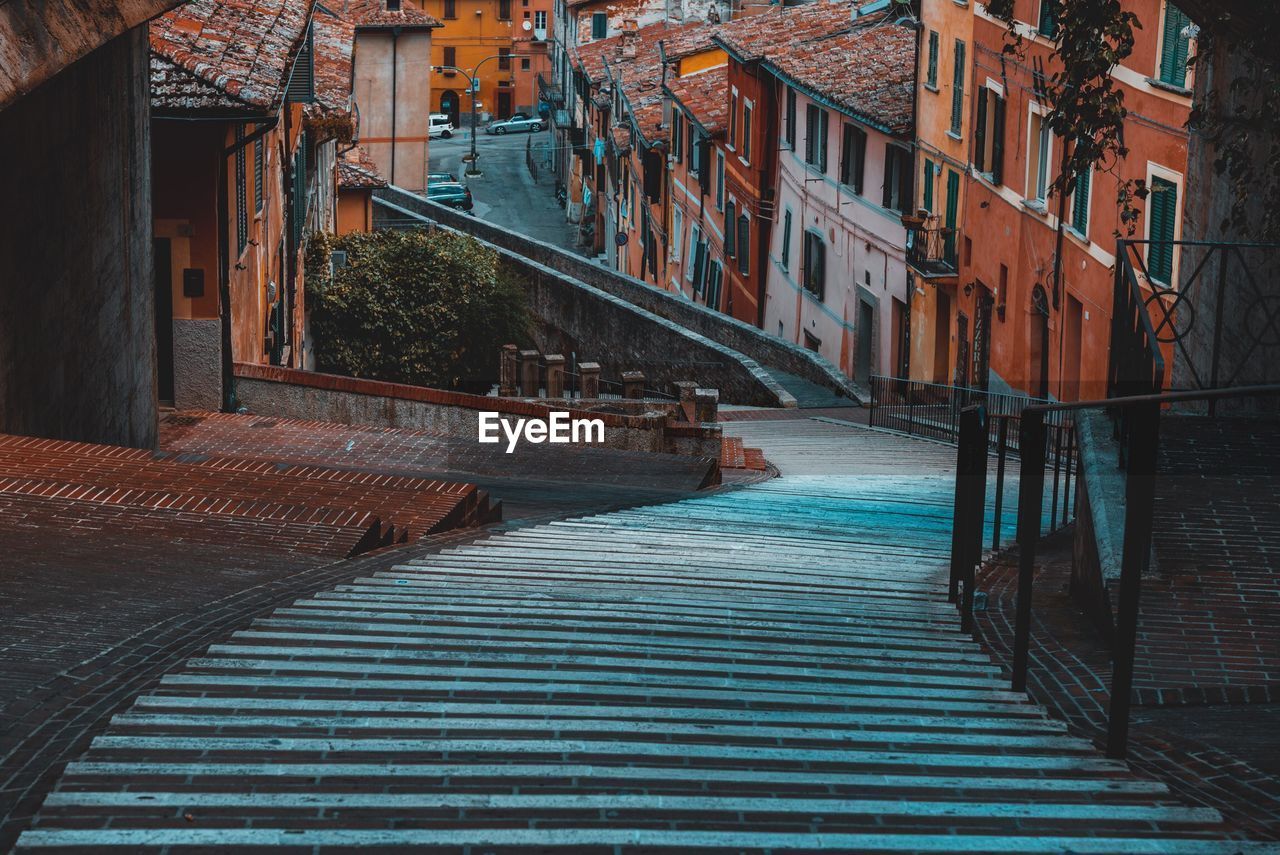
[677, 228]
[1155, 170]
[1032, 187]
[695, 233]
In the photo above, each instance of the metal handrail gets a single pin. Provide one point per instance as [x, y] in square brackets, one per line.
[1141, 440]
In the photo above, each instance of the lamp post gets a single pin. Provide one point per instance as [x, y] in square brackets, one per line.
[474, 89]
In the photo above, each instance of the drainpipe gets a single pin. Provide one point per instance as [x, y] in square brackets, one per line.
[395, 75]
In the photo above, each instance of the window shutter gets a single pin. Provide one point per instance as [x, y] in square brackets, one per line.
[301, 88]
[786, 240]
[654, 168]
[957, 88]
[822, 140]
[1164, 206]
[890, 165]
[744, 244]
[933, 58]
[677, 143]
[1048, 18]
[730, 235]
[791, 118]
[906, 181]
[928, 185]
[810, 133]
[599, 25]
[704, 165]
[1080, 203]
[1173, 54]
[980, 131]
[997, 144]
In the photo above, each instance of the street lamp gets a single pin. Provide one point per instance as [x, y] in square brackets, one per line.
[474, 88]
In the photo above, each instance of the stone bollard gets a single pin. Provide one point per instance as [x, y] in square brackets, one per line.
[555, 375]
[633, 384]
[706, 404]
[589, 373]
[529, 373]
[507, 360]
[684, 390]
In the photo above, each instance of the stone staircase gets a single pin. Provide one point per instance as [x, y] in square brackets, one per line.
[773, 668]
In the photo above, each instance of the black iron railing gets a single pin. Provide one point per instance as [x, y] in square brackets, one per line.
[931, 247]
[932, 410]
[1139, 448]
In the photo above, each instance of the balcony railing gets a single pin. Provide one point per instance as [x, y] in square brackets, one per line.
[548, 91]
[931, 247]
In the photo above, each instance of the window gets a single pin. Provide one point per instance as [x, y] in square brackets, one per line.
[540, 21]
[695, 236]
[786, 240]
[719, 180]
[1038, 163]
[599, 25]
[1162, 212]
[899, 171]
[677, 230]
[1174, 45]
[744, 244]
[853, 157]
[814, 274]
[524, 63]
[746, 130]
[677, 136]
[450, 59]
[695, 153]
[715, 275]
[504, 59]
[1048, 19]
[393, 5]
[927, 201]
[931, 76]
[988, 144]
[242, 203]
[730, 235]
[259, 173]
[504, 10]
[957, 88]
[733, 119]
[815, 137]
[450, 8]
[699, 265]
[1080, 204]
[791, 118]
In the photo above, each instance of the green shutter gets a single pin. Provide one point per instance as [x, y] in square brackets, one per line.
[933, 58]
[730, 223]
[953, 210]
[957, 88]
[1174, 47]
[928, 185]
[1164, 213]
[1048, 19]
[786, 241]
[1080, 203]
[980, 131]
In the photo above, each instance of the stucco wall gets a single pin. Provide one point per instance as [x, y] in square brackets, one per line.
[741, 339]
[197, 364]
[77, 335]
[393, 91]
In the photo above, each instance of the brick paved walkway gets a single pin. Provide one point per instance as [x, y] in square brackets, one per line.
[773, 668]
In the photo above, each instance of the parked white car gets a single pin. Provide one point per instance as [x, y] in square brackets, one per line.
[441, 126]
[518, 123]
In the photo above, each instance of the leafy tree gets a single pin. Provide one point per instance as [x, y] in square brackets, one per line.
[426, 307]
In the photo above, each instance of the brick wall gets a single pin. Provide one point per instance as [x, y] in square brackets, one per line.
[698, 325]
[291, 393]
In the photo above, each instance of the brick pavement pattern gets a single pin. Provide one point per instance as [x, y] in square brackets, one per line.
[765, 669]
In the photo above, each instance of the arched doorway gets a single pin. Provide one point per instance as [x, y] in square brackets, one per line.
[449, 106]
[1039, 379]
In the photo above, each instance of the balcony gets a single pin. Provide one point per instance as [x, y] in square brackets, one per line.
[931, 249]
[549, 91]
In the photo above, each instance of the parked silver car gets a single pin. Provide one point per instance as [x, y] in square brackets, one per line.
[517, 123]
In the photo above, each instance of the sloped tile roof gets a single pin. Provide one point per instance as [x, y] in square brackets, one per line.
[334, 41]
[357, 171]
[242, 49]
[639, 71]
[373, 13]
[702, 94]
[866, 68]
[39, 38]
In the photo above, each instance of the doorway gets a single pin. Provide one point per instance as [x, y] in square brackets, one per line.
[504, 104]
[942, 338]
[449, 106]
[1039, 379]
[866, 333]
[164, 320]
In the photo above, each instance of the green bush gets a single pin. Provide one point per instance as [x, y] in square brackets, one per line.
[430, 308]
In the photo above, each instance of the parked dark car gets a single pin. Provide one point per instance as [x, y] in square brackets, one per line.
[453, 194]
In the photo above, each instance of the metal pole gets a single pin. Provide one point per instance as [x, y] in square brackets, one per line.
[1031, 443]
[1140, 492]
[1003, 435]
[973, 422]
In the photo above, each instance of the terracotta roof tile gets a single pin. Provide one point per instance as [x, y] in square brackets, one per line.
[243, 49]
[373, 13]
[702, 94]
[633, 61]
[865, 68]
[334, 41]
[357, 171]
